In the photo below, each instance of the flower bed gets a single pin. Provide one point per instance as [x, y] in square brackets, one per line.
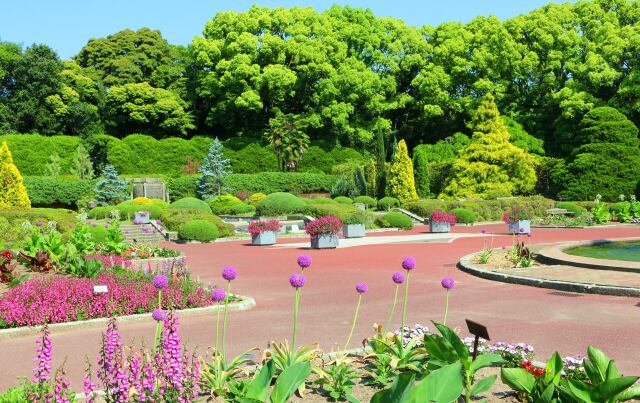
[65, 299]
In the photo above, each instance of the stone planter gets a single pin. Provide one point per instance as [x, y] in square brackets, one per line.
[264, 238]
[353, 230]
[516, 227]
[439, 226]
[324, 241]
[142, 217]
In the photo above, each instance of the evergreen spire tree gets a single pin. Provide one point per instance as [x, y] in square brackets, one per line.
[53, 167]
[12, 190]
[490, 166]
[421, 166]
[213, 172]
[401, 182]
[111, 189]
[381, 158]
[82, 166]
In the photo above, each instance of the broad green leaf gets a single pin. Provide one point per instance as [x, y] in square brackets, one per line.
[289, 381]
[247, 400]
[612, 371]
[454, 340]
[553, 371]
[259, 387]
[613, 387]
[547, 395]
[583, 392]
[439, 349]
[398, 390]
[600, 362]
[483, 385]
[352, 399]
[443, 385]
[518, 379]
[631, 393]
[486, 360]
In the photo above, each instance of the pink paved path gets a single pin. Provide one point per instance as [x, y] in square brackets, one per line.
[513, 313]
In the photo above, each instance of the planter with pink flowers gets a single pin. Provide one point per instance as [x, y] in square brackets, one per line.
[518, 221]
[264, 232]
[324, 232]
[441, 222]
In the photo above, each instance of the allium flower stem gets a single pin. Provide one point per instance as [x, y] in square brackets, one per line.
[393, 309]
[224, 322]
[446, 307]
[295, 319]
[404, 303]
[353, 324]
[159, 325]
[217, 345]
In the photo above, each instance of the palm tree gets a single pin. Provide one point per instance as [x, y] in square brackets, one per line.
[288, 140]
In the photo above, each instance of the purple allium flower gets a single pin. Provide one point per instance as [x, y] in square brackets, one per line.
[529, 234]
[229, 273]
[484, 231]
[398, 277]
[161, 228]
[361, 288]
[39, 223]
[296, 280]
[448, 283]
[304, 261]
[521, 230]
[160, 281]
[159, 314]
[158, 222]
[70, 225]
[409, 263]
[218, 295]
[94, 224]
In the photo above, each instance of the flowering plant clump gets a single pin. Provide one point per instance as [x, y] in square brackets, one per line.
[532, 369]
[324, 225]
[574, 367]
[64, 299]
[515, 214]
[258, 227]
[6, 268]
[111, 260]
[441, 216]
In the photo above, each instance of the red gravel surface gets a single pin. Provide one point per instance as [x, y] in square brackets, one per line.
[544, 318]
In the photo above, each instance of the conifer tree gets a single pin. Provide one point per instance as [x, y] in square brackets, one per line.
[111, 189]
[213, 172]
[53, 167]
[82, 166]
[401, 182]
[12, 190]
[421, 167]
[381, 158]
[490, 166]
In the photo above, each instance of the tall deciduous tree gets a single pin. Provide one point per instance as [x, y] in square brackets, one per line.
[401, 181]
[213, 172]
[490, 165]
[12, 190]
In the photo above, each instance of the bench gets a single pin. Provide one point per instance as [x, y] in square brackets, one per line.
[559, 211]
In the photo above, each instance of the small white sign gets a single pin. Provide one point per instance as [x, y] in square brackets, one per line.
[100, 289]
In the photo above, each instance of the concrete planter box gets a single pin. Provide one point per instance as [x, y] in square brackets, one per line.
[264, 238]
[324, 241]
[353, 230]
[142, 217]
[439, 227]
[516, 226]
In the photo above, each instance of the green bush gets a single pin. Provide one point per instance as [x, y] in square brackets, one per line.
[223, 204]
[424, 207]
[31, 152]
[128, 208]
[280, 203]
[324, 200]
[619, 207]
[464, 216]
[571, 207]
[272, 182]
[243, 208]
[173, 219]
[181, 187]
[345, 212]
[98, 232]
[395, 220]
[64, 191]
[198, 230]
[191, 203]
[368, 201]
[15, 216]
[387, 203]
[317, 159]
[343, 200]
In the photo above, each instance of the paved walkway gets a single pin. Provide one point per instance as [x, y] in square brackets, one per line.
[546, 319]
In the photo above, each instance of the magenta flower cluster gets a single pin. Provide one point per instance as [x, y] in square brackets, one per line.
[324, 225]
[304, 261]
[229, 273]
[109, 261]
[361, 288]
[409, 263]
[297, 280]
[64, 299]
[398, 277]
[448, 283]
[218, 295]
[258, 226]
[160, 281]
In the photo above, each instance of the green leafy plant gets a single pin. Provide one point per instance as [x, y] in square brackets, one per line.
[82, 240]
[337, 379]
[114, 241]
[532, 388]
[600, 212]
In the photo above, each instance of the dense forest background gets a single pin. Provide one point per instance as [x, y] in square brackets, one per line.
[343, 76]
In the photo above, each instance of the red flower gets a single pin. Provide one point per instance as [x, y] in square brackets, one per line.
[258, 227]
[441, 216]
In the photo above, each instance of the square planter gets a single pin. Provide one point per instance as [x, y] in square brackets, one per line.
[264, 238]
[353, 230]
[142, 217]
[516, 227]
[439, 227]
[324, 241]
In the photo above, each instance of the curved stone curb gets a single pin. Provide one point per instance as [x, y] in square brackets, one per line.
[466, 264]
[555, 254]
[244, 304]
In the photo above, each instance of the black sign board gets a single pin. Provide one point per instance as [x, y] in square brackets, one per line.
[478, 331]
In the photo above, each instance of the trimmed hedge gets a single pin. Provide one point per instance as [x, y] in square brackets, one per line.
[223, 204]
[15, 216]
[368, 201]
[464, 216]
[31, 152]
[280, 203]
[128, 208]
[572, 207]
[343, 200]
[387, 203]
[395, 219]
[173, 219]
[345, 212]
[47, 191]
[191, 203]
[198, 230]
[425, 207]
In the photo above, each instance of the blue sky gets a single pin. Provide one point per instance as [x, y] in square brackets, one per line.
[66, 25]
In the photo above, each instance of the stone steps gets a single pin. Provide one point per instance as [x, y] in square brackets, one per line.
[136, 233]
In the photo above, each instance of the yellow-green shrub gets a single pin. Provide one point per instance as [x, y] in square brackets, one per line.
[12, 190]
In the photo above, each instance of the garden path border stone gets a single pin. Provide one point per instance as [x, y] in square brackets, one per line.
[555, 254]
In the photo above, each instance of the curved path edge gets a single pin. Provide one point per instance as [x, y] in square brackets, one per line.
[244, 304]
[466, 264]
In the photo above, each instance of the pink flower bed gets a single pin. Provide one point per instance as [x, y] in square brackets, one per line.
[64, 299]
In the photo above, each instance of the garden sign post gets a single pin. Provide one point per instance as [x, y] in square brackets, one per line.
[478, 331]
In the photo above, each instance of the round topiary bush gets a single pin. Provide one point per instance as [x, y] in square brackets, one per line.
[368, 201]
[191, 203]
[324, 200]
[256, 198]
[223, 204]
[243, 208]
[198, 230]
[464, 216]
[395, 220]
[571, 207]
[280, 203]
[173, 219]
[387, 203]
[343, 200]
[142, 201]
